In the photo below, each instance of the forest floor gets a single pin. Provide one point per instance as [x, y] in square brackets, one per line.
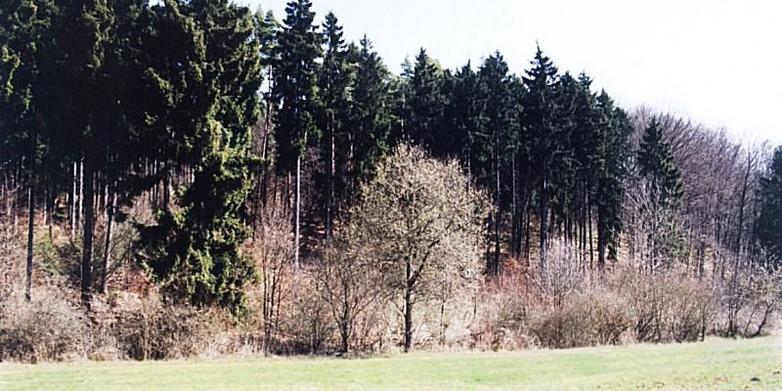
[716, 364]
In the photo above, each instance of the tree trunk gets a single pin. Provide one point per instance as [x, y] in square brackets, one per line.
[30, 236]
[408, 308]
[330, 195]
[543, 214]
[88, 224]
[107, 245]
[297, 206]
[497, 214]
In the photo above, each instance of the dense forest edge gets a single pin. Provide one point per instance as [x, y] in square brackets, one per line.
[191, 177]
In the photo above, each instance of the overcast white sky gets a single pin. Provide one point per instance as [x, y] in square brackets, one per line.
[717, 62]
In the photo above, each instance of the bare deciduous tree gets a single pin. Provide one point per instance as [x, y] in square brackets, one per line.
[421, 225]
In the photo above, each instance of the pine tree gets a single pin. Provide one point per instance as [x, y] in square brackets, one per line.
[296, 90]
[662, 184]
[770, 218]
[24, 28]
[496, 138]
[426, 101]
[336, 77]
[614, 131]
[656, 163]
[76, 68]
[463, 114]
[195, 250]
[370, 116]
[539, 118]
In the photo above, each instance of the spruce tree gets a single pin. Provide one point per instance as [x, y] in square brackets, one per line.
[334, 82]
[613, 157]
[426, 102]
[540, 121]
[770, 218]
[496, 140]
[195, 251]
[296, 90]
[370, 117]
[24, 134]
[655, 161]
[662, 188]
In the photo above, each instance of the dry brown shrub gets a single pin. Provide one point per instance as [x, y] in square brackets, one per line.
[47, 328]
[150, 328]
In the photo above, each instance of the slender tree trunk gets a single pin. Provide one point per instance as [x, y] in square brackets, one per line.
[80, 213]
[107, 245]
[30, 237]
[332, 168]
[88, 224]
[408, 308]
[543, 220]
[73, 202]
[497, 212]
[297, 206]
[591, 239]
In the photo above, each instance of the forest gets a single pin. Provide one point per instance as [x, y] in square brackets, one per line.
[190, 176]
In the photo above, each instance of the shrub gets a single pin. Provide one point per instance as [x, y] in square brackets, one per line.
[45, 329]
[153, 329]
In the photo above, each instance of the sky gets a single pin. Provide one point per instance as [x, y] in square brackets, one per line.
[716, 62]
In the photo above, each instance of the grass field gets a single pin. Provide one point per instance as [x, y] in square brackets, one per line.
[713, 365]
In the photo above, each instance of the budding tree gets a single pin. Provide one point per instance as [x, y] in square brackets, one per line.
[421, 224]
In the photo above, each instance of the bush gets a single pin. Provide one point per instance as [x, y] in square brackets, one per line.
[153, 329]
[306, 325]
[47, 328]
[667, 307]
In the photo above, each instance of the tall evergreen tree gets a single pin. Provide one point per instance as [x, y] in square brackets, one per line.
[77, 69]
[426, 102]
[655, 161]
[614, 131]
[24, 31]
[296, 90]
[770, 218]
[334, 83]
[496, 138]
[370, 116]
[662, 188]
[198, 253]
[540, 120]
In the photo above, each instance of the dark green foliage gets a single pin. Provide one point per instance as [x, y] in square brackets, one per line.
[295, 83]
[769, 224]
[426, 101]
[370, 116]
[543, 136]
[614, 154]
[195, 250]
[496, 137]
[656, 163]
[334, 82]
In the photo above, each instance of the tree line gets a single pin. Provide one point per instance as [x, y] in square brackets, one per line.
[206, 113]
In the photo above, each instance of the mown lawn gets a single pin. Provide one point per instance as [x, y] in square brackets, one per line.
[713, 365]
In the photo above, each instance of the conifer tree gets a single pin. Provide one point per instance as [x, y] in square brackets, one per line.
[426, 102]
[24, 30]
[370, 117]
[613, 150]
[196, 249]
[76, 67]
[662, 186]
[770, 218]
[296, 91]
[655, 161]
[539, 116]
[496, 138]
[334, 82]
